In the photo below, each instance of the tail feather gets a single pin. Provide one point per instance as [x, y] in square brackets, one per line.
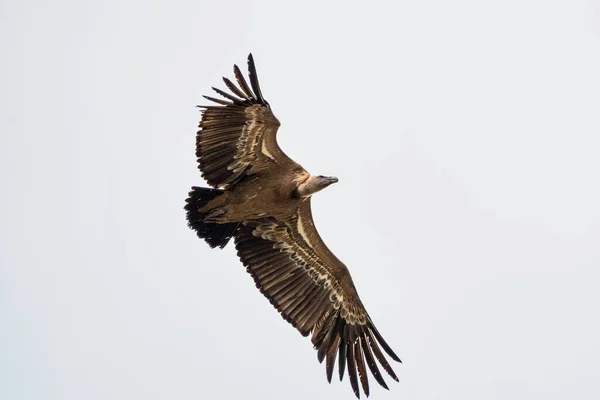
[216, 235]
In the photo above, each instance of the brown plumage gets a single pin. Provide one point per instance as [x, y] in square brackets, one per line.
[261, 198]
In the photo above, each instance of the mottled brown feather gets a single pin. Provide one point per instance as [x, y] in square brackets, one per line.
[230, 134]
[295, 285]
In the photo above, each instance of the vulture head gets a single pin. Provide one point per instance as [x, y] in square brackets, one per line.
[314, 184]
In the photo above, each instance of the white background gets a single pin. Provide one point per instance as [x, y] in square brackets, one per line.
[465, 136]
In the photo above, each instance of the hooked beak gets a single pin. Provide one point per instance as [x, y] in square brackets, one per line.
[332, 179]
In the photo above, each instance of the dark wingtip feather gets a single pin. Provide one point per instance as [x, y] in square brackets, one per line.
[242, 82]
[331, 355]
[329, 364]
[254, 79]
[380, 357]
[342, 359]
[321, 355]
[227, 95]
[360, 366]
[235, 89]
[218, 101]
[371, 363]
[352, 368]
[383, 344]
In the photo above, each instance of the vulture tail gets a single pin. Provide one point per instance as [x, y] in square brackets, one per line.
[212, 233]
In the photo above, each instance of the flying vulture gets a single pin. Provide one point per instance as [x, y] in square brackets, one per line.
[261, 198]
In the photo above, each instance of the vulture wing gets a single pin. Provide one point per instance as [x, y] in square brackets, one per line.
[314, 292]
[237, 136]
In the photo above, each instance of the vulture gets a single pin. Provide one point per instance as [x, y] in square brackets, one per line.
[261, 198]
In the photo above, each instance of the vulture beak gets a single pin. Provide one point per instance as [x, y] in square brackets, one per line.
[330, 179]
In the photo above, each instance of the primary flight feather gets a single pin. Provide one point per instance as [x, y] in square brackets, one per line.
[261, 198]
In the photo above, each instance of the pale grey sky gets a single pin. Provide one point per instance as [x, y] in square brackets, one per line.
[466, 137]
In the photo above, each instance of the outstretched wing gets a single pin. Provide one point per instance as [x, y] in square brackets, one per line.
[314, 292]
[237, 136]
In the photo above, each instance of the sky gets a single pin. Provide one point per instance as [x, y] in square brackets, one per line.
[466, 139]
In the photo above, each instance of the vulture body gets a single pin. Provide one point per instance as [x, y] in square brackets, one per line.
[261, 198]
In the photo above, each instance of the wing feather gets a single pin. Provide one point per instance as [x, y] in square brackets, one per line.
[233, 133]
[228, 96]
[330, 361]
[342, 359]
[360, 365]
[219, 101]
[313, 291]
[312, 298]
[352, 368]
[372, 364]
[313, 316]
[381, 358]
[242, 82]
[234, 89]
[254, 79]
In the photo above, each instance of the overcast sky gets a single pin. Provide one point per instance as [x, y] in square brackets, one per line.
[466, 139]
